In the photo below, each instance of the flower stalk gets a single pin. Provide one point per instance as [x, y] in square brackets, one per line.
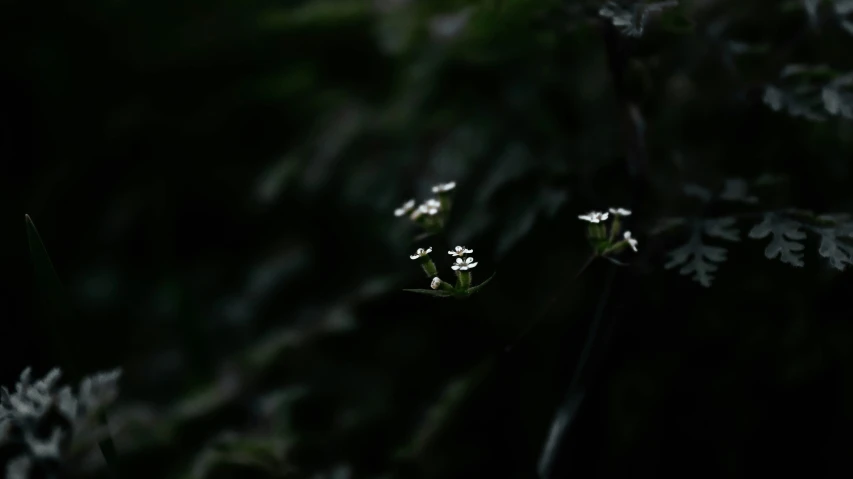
[603, 239]
[463, 280]
[462, 267]
[422, 257]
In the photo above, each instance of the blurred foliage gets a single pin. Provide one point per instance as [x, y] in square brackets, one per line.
[216, 181]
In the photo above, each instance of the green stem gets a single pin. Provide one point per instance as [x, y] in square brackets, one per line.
[444, 199]
[549, 304]
[463, 281]
[429, 267]
[614, 228]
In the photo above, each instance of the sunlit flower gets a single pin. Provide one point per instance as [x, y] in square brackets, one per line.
[444, 187]
[436, 283]
[631, 241]
[620, 212]
[464, 265]
[594, 216]
[460, 251]
[421, 253]
[405, 209]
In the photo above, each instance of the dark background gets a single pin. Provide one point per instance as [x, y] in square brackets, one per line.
[215, 183]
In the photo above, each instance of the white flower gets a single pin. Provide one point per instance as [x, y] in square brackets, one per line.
[421, 252]
[460, 251]
[436, 283]
[464, 265]
[430, 207]
[444, 187]
[594, 217]
[620, 212]
[631, 241]
[433, 206]
[407, 207]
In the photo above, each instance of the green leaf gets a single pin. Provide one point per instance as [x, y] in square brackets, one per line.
[474, 289]
[51, 293]
[429, 292]
[59, 319]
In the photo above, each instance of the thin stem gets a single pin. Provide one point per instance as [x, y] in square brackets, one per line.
[570, 404]
[549, 304]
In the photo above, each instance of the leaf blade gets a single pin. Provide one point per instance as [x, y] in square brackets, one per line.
[59, 315]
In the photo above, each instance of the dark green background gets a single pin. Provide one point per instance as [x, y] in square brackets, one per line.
[215, 183]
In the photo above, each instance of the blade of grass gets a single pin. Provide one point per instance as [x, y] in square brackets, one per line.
[567, 412]
[58, 320]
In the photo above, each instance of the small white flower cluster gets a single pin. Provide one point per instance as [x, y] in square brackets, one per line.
[429, 213]
[461, 265]
[444, 187]
[597, 217]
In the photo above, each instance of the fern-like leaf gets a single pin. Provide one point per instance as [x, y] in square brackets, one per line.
[811, 91]
[631, 19]
[699, 259]
[786, 235]
[722, 228]
[837, 250]
[737, 189]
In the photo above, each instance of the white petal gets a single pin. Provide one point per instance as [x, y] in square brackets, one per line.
[436, 282]
[459, 261]
[604, 216]
[409, 204]
[627, 235]
[429, 250]
[472, 265]
[454, 267]
[469, 251]
[399, 212]
[415, 256]
[449, 186]
[452, 253]
[469, 260]
[458, 249]
[463, 268]
[436, 188]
